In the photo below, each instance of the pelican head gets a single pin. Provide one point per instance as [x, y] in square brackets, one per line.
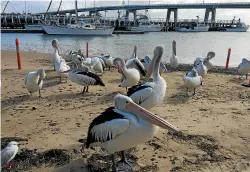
[126, 104]
[120, 64]
[55, 44]
[12, 143]
[155, 63]
[41, 73]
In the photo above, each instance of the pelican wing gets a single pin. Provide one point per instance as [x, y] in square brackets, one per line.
[90, 78]
[140, 67]
[140, 93]
[25, 79]
[7, 154]
[106, 127]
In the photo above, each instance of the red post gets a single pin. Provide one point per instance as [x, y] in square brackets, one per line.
[18, 55]
[87, 49]
[228, 57]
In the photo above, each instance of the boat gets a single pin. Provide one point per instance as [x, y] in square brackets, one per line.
[238, 27]
[145, 24]
[80, 28]
[196, 27]
[33, 27]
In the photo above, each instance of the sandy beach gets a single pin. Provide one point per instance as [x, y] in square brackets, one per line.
[215, 123]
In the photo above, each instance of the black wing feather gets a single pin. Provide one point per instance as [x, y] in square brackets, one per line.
[136, 88]
[92, 75]
[141, 69]
[108, 115]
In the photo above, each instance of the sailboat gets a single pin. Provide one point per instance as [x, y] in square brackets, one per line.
[79, 28]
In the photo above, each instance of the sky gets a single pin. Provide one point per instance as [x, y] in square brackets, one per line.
[221, 14]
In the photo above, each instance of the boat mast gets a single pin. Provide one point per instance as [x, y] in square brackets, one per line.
[76, 12]
[59, 7]
[49, 6]
[5, 6]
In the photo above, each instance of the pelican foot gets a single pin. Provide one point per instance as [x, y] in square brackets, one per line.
[124, 165]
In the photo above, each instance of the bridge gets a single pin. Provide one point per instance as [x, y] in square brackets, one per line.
[239, 5]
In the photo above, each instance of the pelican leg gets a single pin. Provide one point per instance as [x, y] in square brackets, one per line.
[87, 90]
[246, 76]
[8, 166]
[54, 68]
[113, 163]
[60, 79]
[194, 91]
[83, 91]
[187, 91]
[39, 92]
[109, 68]
[66, 79]
[126, 89]
[124, 161]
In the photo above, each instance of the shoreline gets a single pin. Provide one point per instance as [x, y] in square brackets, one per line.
[52, 129]
[181, 67]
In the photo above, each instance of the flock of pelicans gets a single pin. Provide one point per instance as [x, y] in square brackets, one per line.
[130, 121]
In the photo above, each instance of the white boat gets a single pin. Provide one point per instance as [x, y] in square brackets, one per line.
[198, 28]
[146, 26]
[239, 27]
[76, 29]
[33, 27]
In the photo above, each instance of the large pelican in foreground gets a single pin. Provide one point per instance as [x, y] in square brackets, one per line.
[150, 94]
[244, 67]
[130, 76]
[174, 60]
[123, 127]
[135, 63]
[192, 80]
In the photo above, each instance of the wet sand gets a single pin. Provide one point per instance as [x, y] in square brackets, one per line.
[215, 122]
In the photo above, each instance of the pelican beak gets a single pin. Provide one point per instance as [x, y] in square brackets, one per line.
[156, 120]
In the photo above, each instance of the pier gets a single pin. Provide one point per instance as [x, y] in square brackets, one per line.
[63, 17]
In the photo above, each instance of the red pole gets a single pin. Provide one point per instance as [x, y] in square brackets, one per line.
[87, 49]
[18, 55]
[228, 57]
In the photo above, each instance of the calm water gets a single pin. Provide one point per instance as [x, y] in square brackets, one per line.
[189, 45]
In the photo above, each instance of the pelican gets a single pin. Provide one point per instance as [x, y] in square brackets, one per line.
[94, 63]
[244, 67]
[131, 76]
[124, 126]
[150, 94]
[174, 60]
[201, 69]
[146, 63]
[207, 61]
[34, 81]
[55, 55]
[108, 60]
[135, 63]
[62, 69]
[9, 153]
[192, 80]
[85, 78]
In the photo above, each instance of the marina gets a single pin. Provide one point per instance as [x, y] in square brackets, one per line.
[86, 91]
